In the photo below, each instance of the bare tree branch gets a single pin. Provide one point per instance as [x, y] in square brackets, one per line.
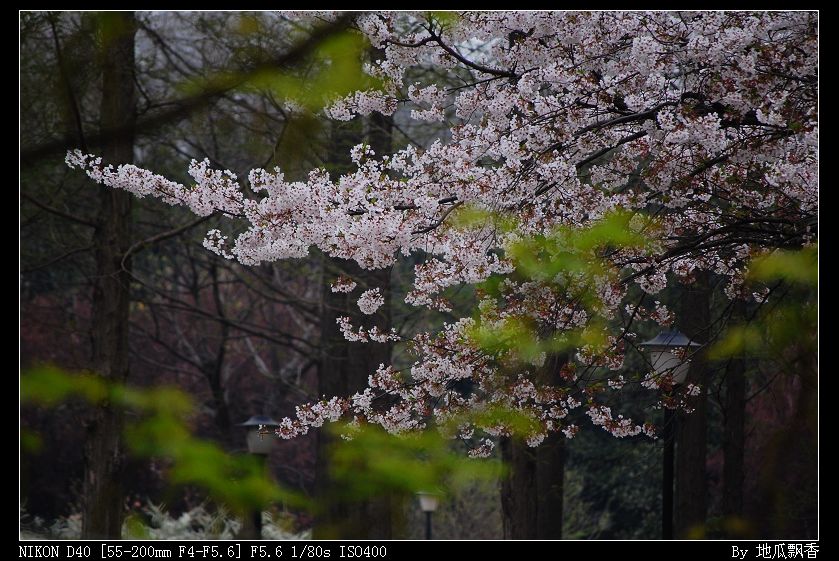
[183, 108]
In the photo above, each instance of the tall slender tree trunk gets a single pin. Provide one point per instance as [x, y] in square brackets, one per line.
[734, 430]
[532, 491]
[103, 493]
[221, 414]
[345, 366]
[518, 490]
[214, 370]
[691, 429]
[786, 500]
[550, 486]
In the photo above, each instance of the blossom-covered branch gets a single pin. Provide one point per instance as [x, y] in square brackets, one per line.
[703, 127]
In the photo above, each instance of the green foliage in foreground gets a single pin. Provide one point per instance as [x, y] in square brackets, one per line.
[573, 262]
[370, 463]
[375, 462]
[779, 325]
[159, 427]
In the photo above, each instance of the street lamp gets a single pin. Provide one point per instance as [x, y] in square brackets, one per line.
[663, 350]
[664, 356]
[260, 440]
[259, 437]
[428, 503]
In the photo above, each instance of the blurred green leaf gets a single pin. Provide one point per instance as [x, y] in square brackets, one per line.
[443, 18]
[47, 386]
[30, 441]
[738, 341]
[517, 422]
[134, 529]
[376, 463]
[336, 70]
[799, 267]
[160, 428]
[571, 262]
[779, 326]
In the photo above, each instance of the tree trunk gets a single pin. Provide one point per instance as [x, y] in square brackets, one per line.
[345, 366]
[550, 485]
[103, 495]
[214, 371]
[667, 475]
[532, 491]
[786, 500]
[691, 429]
[221, 414]
[734, 430]
[518, 490]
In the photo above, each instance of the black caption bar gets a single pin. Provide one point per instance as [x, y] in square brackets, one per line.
[397, 550]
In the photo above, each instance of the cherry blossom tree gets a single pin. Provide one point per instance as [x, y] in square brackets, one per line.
[696, 132]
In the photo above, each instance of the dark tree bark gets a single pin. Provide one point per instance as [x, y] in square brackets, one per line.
[532, 491]
[691, 429]
[734, 430]
[103, 494]
[667, 475]
[786, 502]
[345, 366]
[518, 490]
[215, 369]
[222, 412]
[550, 486]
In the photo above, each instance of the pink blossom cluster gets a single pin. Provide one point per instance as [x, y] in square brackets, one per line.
[370, 301]
[704, 125]
[343, 284]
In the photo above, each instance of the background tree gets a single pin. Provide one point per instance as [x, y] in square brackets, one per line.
[103, 493]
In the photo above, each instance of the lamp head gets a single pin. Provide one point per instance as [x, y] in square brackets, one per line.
[260, 438]
[663, 357]
[428, 501]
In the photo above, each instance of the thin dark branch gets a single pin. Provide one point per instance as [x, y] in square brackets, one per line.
[439, 221]
[642, 116]
[607, 149]
[54, 260]
[471, 64]
[68, 88]
[57, 212]
[187, 106]
[161, 237]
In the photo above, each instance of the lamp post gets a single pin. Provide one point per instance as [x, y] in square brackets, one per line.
[663, 358]
[260, 442]
[428, 503]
